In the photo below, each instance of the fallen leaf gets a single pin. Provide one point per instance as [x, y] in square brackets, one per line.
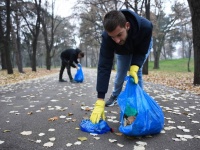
[186, 130]
[141, 143]
[176, 139]
[77, 143]
[53, 118]
[96, 138]
[195, 121]
[120, 145]
[93, 134]
[52, 139]
[48, 144]
[42, 108]
[197, 136]
[82, 138]
[30, 113]
[54, 100]
[70, 114]
[87, 109]
[38, 141]
[41, 134]
[51, 130]
[73, 120]
[26, 133]
[69, 144]
[118, 133]
[138, 147]
[6, 131]
[112, 140]
[62, 116]
[1, 142]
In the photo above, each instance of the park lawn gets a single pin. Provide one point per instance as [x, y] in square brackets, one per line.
[173, 65]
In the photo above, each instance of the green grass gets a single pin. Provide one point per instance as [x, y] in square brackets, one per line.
[174, 65]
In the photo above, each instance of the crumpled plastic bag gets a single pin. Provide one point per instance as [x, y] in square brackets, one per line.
[79, 76]
[99, 128]
[149, 118]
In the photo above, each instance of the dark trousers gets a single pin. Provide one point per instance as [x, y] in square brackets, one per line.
[68, 67]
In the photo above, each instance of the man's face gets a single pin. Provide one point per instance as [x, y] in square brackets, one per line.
[120, 34]
[79, 56]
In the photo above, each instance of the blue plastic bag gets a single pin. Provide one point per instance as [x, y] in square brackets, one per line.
[79, 76]
[99, 128]
[149, 119]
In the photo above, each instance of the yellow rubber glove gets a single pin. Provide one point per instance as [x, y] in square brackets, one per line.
[133, 72]
[98, 111]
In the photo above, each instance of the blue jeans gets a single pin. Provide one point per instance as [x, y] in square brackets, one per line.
[123, 65]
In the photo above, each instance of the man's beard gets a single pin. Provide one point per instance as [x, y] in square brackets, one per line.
[122, 42]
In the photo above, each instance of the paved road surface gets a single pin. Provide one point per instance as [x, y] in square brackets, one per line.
[28, 106]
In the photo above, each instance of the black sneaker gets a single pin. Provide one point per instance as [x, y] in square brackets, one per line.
[112, 101]
[72, 81]
[61, 80]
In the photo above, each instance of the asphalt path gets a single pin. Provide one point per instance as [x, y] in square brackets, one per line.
[45, 114]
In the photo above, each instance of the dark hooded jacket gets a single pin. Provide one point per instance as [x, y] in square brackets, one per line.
[70, 56]
[137, 44]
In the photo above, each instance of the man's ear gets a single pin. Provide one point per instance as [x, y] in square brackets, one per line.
[127, 25]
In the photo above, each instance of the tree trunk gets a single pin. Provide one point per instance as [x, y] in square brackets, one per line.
[7, 42]
[147, 12]
[195, 13]
[155, 54]
[2, 48]
[3, 58]
[16, 47]
[36, 34]
[189, 57]
[156, 61]
[34, 48]
[48, 59]
[19, 54]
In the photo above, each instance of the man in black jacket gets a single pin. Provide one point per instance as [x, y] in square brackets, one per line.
[69, 59]
[130, 37]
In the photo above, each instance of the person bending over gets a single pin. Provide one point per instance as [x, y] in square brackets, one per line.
[129, 36]
[69, 59]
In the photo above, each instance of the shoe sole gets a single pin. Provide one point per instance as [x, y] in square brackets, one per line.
[115, 103]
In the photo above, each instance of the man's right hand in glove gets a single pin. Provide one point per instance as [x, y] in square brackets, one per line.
[98, 111]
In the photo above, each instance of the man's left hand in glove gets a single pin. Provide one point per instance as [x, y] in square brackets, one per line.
[133, 72]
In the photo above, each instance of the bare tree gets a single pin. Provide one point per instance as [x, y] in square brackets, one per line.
[91, 14]
[147, 14]
[195, 14]
[16, 29]
[7, 42]
[162, 26]
[34, 28]
[49, 27]
[3, 36]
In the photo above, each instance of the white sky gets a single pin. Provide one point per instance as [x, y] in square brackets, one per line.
[63, 7]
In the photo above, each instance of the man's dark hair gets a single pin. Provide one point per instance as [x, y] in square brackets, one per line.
[113, 19]
[81, 54]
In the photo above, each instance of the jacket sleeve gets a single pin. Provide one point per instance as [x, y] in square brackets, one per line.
[104, 67]
[73, 60]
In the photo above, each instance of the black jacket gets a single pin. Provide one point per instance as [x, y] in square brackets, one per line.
[137, 44]
[70, 56]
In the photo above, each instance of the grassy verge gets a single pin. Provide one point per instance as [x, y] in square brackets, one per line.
[175, 65]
